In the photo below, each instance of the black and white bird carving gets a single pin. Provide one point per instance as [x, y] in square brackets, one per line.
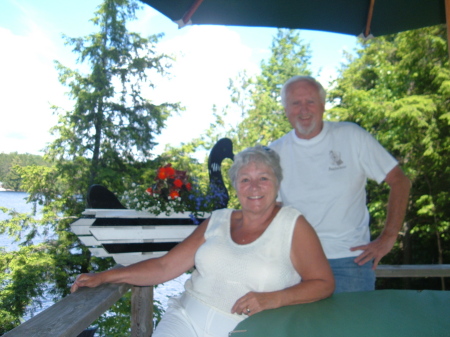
[221, 150]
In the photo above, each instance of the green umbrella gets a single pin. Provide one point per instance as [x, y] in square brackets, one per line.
[354, 17]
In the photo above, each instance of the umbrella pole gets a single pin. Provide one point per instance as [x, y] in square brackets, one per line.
[447, 19]
[369, 18]
[185, 20]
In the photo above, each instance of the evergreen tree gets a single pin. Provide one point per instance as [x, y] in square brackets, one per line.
[112, 124]
[106, 139]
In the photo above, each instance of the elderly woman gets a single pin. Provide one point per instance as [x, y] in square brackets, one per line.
[263, 256]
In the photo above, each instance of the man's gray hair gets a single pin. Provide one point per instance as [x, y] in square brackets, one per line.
[310, 80]
[257, 154]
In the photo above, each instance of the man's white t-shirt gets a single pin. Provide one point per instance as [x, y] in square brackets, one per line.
[325, 178]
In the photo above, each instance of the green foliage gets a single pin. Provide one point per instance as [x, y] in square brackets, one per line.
[116, 325]
[398, 88]
[9, 163]
[24, 273]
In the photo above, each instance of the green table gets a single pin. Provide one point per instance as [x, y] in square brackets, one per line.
[391, 313]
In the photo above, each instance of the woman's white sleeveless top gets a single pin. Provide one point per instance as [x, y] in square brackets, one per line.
[225, 270]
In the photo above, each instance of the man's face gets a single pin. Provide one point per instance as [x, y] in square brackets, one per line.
[304, 109]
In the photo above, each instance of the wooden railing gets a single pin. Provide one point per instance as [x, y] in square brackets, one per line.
[74, 313]
[413, 270]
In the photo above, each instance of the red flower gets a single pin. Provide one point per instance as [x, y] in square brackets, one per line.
[149, 191]
[166, 172]
[177, 183]
[161, 173]
[174, 194]
[170, 172]
[188, 186]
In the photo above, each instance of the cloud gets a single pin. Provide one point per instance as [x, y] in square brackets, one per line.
[29, 83]
[206, 58]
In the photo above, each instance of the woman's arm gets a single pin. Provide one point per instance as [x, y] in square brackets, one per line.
[309, 260]
[153, 271]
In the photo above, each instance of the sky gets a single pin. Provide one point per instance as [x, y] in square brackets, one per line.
[207, 57]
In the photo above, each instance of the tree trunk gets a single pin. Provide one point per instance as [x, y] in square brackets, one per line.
[98, 136]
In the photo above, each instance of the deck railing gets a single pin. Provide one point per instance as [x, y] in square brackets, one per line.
[74, 313]
[413, 270]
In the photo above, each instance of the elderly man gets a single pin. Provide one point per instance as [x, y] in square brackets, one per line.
[325, 167]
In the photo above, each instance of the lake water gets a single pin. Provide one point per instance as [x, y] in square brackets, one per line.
[17, 201]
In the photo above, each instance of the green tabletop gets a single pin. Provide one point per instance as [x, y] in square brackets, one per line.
[392, 313]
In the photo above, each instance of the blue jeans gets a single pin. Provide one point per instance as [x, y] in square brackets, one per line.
[350, 277]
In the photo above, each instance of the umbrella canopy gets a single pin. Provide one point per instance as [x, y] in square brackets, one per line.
[354, 17]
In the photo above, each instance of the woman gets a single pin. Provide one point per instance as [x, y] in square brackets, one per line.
[261, 257]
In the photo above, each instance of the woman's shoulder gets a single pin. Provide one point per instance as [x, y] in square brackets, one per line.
[219, 221]
[288, 216]
[222, 215]
[290, 211]
[222, 212]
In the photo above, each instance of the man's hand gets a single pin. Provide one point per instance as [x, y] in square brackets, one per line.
[375, 250]
[398, 201]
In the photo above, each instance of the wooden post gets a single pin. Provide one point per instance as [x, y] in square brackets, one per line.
[141, 311]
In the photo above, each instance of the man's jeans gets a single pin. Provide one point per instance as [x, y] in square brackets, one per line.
[350, 277]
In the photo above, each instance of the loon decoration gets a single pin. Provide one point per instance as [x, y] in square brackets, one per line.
[221, 150]
[99, 197]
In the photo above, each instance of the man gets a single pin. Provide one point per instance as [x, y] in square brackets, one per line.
[325, 169]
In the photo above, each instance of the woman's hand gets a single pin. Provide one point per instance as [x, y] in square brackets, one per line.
[86, 280]
[253, 302]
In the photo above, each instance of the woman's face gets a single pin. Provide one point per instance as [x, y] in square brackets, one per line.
[256, 187]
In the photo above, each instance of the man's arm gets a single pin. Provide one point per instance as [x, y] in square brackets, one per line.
[396, 209]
